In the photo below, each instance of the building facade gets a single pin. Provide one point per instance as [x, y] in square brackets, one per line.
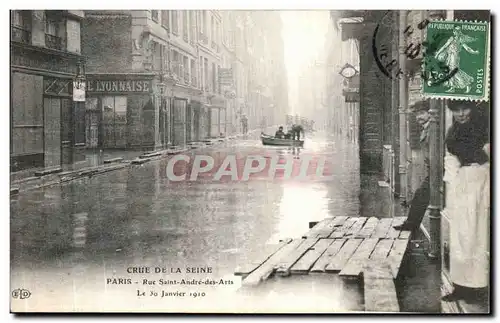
[389, 133]
[189, 72]
[154, 79]
[45, 58]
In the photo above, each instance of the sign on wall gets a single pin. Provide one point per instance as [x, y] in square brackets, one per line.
[79, 90]
[119, 86]
[226, 76]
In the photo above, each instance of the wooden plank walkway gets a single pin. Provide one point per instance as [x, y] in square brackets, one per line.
[349, 246]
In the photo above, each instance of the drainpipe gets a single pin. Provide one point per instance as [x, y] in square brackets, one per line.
[403, 107]
[395, 183]
[436, 161]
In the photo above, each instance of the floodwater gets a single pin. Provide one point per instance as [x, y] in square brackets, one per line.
[76, 246]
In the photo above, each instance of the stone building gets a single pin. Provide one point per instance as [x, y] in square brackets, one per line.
[153, 48]
[389, 135]
[46, 125]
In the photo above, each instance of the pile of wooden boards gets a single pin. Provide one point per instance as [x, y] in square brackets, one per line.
[349, 246]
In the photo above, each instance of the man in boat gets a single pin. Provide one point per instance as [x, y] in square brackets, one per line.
[280, 134]
[297, 129]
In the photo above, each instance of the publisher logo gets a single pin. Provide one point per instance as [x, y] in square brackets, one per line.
[21, 293]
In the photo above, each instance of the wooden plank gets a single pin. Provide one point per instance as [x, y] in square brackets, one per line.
[356, 227]
[338, 221]
[340, 231]
[368, 228]
[382, 228]
[382, 249]
[393, 233]
[267, 268]
[313, 233]
[405, 235]
[341, 258]
[325, 258]
[396, 255]
[379, 288]
[284, 266]
[307, 261]
[258, 258]
[354, 267]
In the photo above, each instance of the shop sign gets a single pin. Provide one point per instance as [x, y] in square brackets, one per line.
[119, 86]
[79, 90]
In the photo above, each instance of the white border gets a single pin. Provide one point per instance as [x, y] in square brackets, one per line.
[187, 4]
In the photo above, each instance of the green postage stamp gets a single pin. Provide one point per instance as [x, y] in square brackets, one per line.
[456, 60]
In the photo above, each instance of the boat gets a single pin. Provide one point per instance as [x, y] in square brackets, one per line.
[273, 141]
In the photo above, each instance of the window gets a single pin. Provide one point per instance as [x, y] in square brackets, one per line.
[51, 27]
[192, 17]
[54, 31]
[165, 19]
[155, 15]
[205, 79]
[185, 64]
[114, 118]
[185, 25]
[214, 78]
[165, 58]
[193, 74]
[202, 73]
[156, 57]
[203, 24]
[175, 22]
[212, 26]
[176, 62]
[217, 79]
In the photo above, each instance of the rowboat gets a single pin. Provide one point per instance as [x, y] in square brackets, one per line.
[273, 141]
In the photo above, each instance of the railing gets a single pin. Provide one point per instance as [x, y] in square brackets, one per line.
[20, 35]
[54, 42]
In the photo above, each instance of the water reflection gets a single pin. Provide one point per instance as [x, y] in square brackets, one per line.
[76, 235]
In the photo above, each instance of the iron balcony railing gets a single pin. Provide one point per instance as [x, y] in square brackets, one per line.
[20, 35]
[54, 42]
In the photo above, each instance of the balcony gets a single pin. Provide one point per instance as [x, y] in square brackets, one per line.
[54, 42]
[19, 34]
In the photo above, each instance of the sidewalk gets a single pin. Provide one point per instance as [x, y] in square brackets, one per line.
[100, 161]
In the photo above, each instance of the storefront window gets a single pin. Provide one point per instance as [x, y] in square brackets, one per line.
[114, 118]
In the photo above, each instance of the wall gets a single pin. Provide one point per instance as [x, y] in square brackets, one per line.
[107, 43]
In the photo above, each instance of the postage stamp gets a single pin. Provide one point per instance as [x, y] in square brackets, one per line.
[456, 60]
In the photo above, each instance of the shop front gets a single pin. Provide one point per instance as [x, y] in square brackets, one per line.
[120, 111]
[45, 127]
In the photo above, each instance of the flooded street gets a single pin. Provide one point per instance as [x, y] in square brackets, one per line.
[86, 231]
